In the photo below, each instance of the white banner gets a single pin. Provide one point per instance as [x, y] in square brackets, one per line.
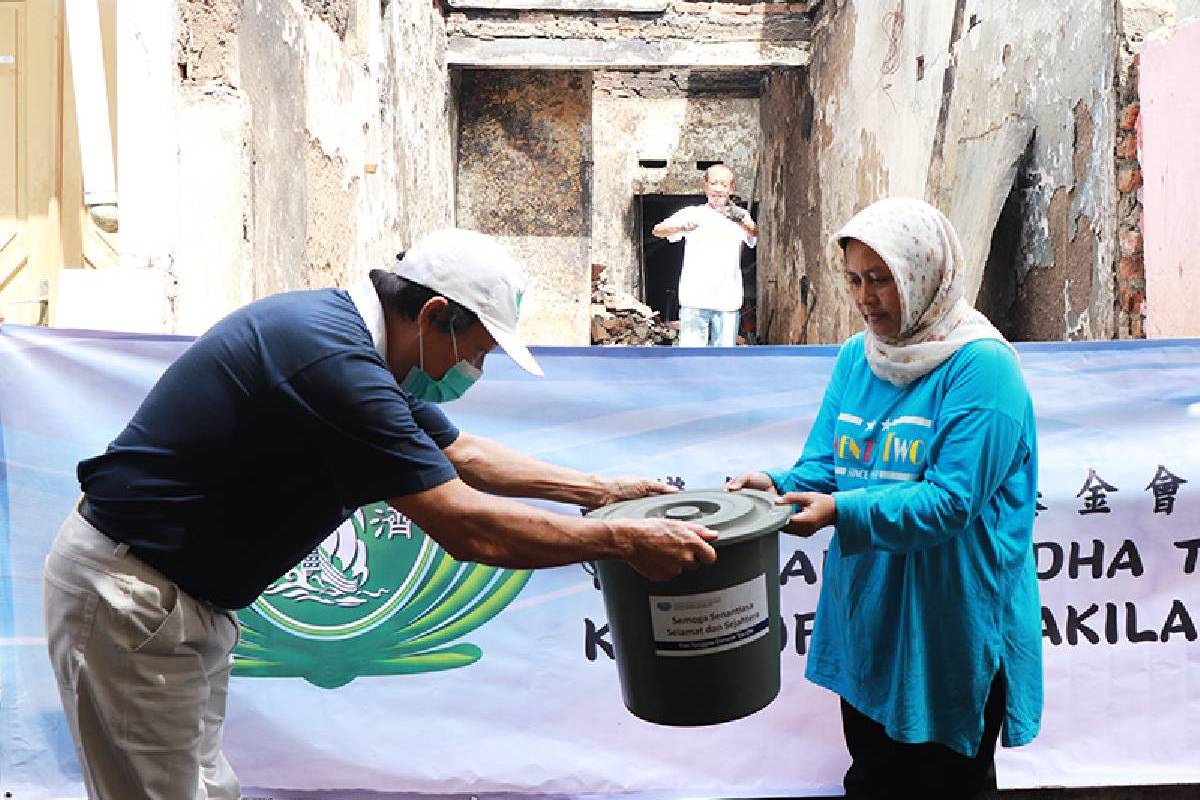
[442, 678]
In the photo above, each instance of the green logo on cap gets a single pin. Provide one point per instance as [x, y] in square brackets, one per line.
[377, 597]
[518, 296]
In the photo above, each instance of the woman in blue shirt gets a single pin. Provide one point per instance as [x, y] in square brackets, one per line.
[924, 459]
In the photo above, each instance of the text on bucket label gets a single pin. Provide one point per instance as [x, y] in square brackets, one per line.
[699, 624]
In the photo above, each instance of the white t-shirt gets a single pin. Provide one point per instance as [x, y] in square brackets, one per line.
[712, 274]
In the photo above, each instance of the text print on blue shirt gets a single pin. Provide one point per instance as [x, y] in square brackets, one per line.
[895, 450]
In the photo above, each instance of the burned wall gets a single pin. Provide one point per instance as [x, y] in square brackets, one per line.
[360, 92]
[280, 144]
[654, 131]
[681, 33]
[977, 107]
[791, 287]
[524, 173]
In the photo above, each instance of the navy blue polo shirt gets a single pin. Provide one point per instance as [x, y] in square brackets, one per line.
[258, 441]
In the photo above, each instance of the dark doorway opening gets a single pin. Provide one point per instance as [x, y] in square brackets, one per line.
[662, 261]
[999, 287]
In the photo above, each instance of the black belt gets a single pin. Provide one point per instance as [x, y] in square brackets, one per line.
[86, 511]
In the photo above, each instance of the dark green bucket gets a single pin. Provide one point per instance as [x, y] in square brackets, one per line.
[701, 648]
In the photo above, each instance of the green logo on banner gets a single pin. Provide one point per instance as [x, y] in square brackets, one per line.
[377, 597]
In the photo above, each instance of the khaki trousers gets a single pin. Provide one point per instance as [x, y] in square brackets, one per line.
[143, 670]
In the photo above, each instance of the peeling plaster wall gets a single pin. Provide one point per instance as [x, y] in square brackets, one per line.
[1142, 20]
[352, 136]
[791, 279]
[524, 158]
[280, 144]
[183, 161]
[679, 117]
[148, 138]
[1170, 119]
[970, 105]
[272, 70]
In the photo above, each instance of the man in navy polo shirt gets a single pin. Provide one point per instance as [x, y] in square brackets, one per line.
[267, 433]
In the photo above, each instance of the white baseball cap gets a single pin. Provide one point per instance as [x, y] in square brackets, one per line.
[477, 272]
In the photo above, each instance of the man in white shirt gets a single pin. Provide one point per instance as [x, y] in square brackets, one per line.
[710, 286]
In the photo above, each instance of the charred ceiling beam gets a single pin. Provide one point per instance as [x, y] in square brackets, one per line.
[540, 53]
[620, 6]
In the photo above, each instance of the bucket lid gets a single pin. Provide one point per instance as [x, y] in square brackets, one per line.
[737, 516]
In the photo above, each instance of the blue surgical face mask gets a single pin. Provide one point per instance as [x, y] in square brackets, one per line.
[451, 386]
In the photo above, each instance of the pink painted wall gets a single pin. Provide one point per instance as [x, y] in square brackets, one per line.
[1170, 154]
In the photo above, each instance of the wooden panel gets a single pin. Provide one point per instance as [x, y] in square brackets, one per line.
[39, 148]
[9, 83]
[14, 248]
[74, 218]
[42, 99]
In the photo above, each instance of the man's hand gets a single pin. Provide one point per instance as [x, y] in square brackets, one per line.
[617, 489]
[660, 549]
[736, 213]
[816, 511]
[751, 480]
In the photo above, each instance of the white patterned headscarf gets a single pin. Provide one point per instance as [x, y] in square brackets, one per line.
[922, 250]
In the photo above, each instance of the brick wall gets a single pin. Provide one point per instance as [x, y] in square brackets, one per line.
[1131, 266]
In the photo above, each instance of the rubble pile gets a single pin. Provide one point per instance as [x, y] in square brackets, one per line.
[619, 318]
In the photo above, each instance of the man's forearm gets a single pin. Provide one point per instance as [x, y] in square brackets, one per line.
[662, 230]
[530, 538]
[472, 526]
[493, 530]
[491, 467]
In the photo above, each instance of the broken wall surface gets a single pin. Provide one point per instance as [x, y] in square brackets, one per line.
[628, 33]
[977, 107]
[524, 175]
[280, 144]
[679, 118]
[1170, 121]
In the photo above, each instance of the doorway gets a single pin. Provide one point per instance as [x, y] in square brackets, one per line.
[661, 261]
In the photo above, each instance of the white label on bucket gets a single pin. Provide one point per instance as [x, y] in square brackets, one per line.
[699, 624]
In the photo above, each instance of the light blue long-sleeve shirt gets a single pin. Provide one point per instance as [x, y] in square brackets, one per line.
[930, 585]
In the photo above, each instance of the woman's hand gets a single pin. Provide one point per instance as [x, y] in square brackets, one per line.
[751, 480]
[816, 511]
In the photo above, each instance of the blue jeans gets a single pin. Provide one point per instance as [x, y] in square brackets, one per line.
[705, 327]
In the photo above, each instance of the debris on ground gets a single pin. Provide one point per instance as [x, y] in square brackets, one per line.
[620, 318]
